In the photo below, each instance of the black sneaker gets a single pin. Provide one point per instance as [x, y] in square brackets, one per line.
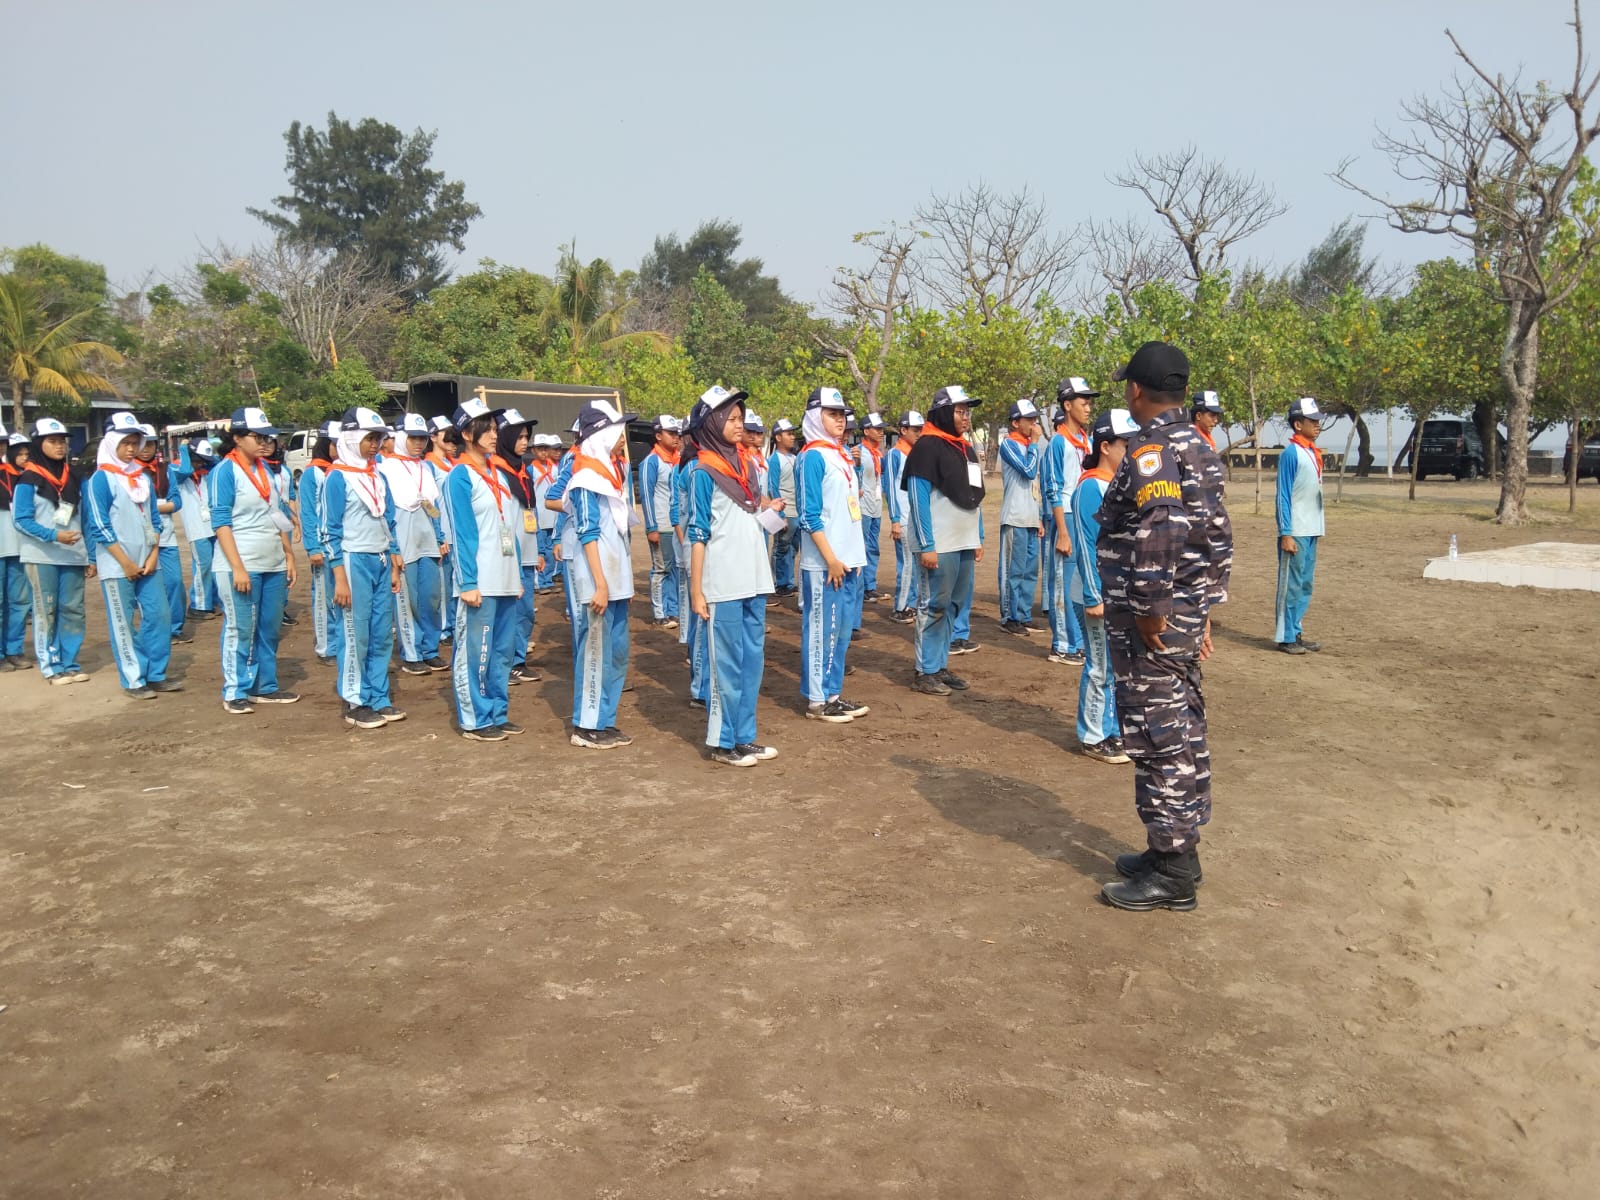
[830, 712]
[276, 698]
[138, 693]
[618, 737]
[951, 680]
[1028, 627]
[929, 685]
[237, 708]
[1106, 752]
[1066, 657]
[489, 733]
[436, 664]
[512, 727]
[732, 758]
[1292, 648]
[963, 646]
[856, 711]
[1314, 647]
[593, 739]
[363, 717]
[695, 702]
[183, 636]
[201, 614]
[165, 685]
[415, 668]
[902, 616]
[518, 674]
[1014, 628]
[390, 713]
[757, 751]
[288, 620]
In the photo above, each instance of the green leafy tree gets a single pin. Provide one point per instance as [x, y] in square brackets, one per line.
[367, 188]
[1352, 353]
[672, 266]
[48, 356]
[491, 323]
[586, 310]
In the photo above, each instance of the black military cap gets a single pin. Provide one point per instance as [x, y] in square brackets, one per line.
[1159, 366]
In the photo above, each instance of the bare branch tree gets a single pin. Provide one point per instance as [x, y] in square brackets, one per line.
[326, 297]
[1128, 254]
[871, 301]
[998, 251]
[1495, 162]
[1206, 207]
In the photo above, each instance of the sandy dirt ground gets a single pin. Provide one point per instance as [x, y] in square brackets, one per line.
[271, 957]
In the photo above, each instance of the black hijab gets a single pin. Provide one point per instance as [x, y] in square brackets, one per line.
[518, 478]
[69, 491]
[943, 464]
[711, 438]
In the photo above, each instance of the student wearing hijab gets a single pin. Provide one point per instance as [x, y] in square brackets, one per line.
[512, 435]
[905, 566]
[690, 627]
[780, 486]
[418, 533]
[869, 473]
[488, 580]
[196, 459]
[324, 616]
[944, 496]
[15, 596]
[832, 553]
[1099, 732]
[546, 456]
[47, 510]
[1058, 476]
[655, 497]
[730, 578]
[123, 528]
[1021, 528]
[358, 537]
[445, 441]
[256, 567]
[555, 501]
[168, 502]
[283, 484]
[601, 581]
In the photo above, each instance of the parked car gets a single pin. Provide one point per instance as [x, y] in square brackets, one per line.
[297, 451]
[1588, 461]
[1452, 446]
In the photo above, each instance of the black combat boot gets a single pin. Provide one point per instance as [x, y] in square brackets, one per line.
[1129, 865]
[1169, 882]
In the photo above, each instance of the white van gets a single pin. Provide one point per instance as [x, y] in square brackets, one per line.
[297, 451]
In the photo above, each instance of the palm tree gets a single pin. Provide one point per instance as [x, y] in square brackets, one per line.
[588, 306]
[47, 357]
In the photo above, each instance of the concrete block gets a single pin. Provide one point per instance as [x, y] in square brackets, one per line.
[1555, 565]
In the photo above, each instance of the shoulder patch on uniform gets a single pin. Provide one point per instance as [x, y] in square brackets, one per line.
[1148, 461]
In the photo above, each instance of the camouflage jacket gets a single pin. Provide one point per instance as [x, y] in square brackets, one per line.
[1166, 546]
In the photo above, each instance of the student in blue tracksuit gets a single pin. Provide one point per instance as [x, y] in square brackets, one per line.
[1099, 732]
[445, 442]
[832, 553]
[894, 497]
[358, 538]
[690, 626]
[546, 457]
[1021, 528]
[122, 526]
[255, 568]
[15, 597]
[555, 501]
[168, 502]
[755, 439]
[418, 532]
[780, 486]
[1058, 477]
[655, 498]
[869, 475]
[196, 460]
[1300, 525]
[325, 623]
[47, 510]
[730, 579]
[512, 435]
[488, 581]
[944, 496]
[600, 575]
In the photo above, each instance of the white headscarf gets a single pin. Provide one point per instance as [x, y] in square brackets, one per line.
[409, 479]
[347, 452]
[134, 472]
[598, 447]
[811, 426]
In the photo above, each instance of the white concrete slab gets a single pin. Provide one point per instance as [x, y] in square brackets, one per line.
[1561, 565]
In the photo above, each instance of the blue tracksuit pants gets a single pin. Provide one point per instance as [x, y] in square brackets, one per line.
[905, 577]
[368, 632]
[687, 621]
[250, 627]
[785, 550]
[1097, 693]
[171, 572]
[447, 600]
[480, 661]
[825, 629]
[552, 566]
[141, 655]
[202, 581]
[1294, 588]
[664, 578]
[1066, 618]
[16, 597]
[599, 664]
[58, 617]
[945, 592]
[523, 632]
[417, 609]
[322, 617]
[737, 634]
[1019, 572]
[871, 530]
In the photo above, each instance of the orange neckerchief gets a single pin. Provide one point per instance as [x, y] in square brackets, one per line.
[1316, 455]
[37, 469]
[158, 475]
[126, 476]
[496, 489]
[754, 455]
[607, 470]
[438, 459]
[671, 459]
[546, 470]
[1079, 440]
[902, 445]
[836, 448]
[371, 472]
[723, 467]
[323, 463]
[877, 455]
[961, 444]
[262, 481]
[1206, 434]
[1101, 473]
[1019, 439]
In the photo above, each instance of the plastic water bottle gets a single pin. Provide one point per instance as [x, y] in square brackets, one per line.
[1453, 552]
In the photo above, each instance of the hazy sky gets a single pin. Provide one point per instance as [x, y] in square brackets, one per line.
[804, 123]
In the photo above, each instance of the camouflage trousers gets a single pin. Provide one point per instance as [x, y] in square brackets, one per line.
[1163, 713]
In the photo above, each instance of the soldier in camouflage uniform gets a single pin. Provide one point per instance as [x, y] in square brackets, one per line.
[1165, 551]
